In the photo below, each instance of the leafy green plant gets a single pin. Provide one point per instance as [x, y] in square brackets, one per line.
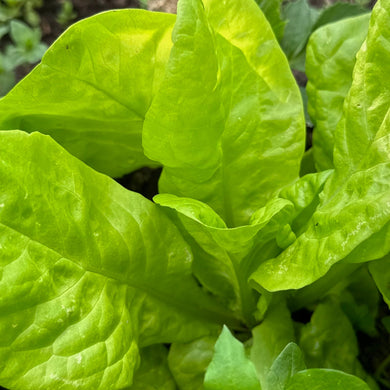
[302, 20]
[26, 46]
[12, 9]
[66, 14]
[96, 280]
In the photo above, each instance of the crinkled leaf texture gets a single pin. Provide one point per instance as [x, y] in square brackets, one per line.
[329, 341]
[352, 222]
[224, 258]
[188, 362]
[94, 86]
[330, 58]
[90, 272]
[232, 134]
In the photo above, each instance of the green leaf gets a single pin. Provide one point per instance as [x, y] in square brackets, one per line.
[89, 271]
[22, 35]
[329, 340]
[270, 338]
[304, 195]
[3, 30]
[272, 11]
[286, 365]
[22, 55]
[330, 59]
[317, 379]
[224, 258]
[7, 13]
[307, 163]
[380, 271]
[353, 220]
[230, 368]
[359, 300]
[188, 362]
[338, 11]
[7, 81]
[300, 17]
[238, 112]
[94, 86]
[7, 75]
[153, 373]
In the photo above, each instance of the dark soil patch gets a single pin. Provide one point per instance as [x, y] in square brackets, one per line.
[52, 29]
[144, 181]
[375, 351]
[84, 8]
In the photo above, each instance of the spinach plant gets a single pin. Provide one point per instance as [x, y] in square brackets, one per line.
[101, 288]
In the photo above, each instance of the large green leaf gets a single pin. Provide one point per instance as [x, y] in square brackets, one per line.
[232, 134]
[317, 379]
[330, 58]
[89, 272]
[94, 86]
[353, 220]
[230, 368]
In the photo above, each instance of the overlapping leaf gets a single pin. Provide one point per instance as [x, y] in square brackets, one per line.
[225, 257]
[232, 135]
[330, 58]
[94, 86]
[354, 214]
[89, 272]
[230, 368]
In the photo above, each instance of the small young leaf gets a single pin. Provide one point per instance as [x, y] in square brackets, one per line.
[188, 362]
[286, 365]
[270, 338]
[230, 368]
